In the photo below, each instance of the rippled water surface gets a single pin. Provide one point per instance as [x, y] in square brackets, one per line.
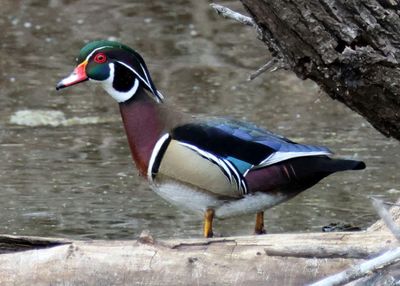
[65, 165]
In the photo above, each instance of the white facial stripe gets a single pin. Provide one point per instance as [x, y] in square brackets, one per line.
[95, 50]
[117, 95]
[138, 75]
[145, 73]
[146, 82]
[123, 96]
[157, 93]
[160, 95]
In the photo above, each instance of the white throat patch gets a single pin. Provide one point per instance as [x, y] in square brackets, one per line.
[117, 95]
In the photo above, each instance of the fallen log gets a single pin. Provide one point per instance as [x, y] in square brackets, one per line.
[272, 259]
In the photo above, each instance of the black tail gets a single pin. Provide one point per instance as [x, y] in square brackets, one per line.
[310, 170]
[336, 165]
[305, 166]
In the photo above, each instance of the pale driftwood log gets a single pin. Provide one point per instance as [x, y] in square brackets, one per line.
[274, 259]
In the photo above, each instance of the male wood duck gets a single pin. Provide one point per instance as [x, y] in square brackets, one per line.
[216, 166]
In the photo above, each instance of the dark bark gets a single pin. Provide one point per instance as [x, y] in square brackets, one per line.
[351, 49]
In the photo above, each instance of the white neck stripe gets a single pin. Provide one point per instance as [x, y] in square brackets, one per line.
[118, 95]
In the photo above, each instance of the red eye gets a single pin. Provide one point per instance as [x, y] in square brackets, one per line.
[100, 58]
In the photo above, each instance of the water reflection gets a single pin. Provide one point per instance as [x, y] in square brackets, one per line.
[78, 180]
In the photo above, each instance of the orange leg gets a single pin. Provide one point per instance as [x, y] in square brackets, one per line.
[259, 228]
[208, 218]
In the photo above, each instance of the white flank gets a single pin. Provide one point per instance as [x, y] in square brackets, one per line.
[154, 154]
[117, 95]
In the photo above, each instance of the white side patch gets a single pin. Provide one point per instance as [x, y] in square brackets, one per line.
[117, 95]
[282, 156]
[154, 154]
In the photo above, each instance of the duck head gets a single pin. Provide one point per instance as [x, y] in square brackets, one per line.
[120, 70]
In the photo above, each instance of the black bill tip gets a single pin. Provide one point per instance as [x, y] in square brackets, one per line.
[60, 86]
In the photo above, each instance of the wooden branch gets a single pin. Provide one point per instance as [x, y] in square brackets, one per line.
[230, 14]
[355, 272]
[271, 65]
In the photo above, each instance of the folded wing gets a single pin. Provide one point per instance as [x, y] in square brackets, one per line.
[216, 155]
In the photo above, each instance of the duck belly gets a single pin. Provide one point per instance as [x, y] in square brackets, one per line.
[196, 200]
[187, 196]
[249, 204]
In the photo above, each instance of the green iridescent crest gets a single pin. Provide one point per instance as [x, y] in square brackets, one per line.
[90, 47]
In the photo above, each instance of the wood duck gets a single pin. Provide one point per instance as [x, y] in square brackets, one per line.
[218, 167]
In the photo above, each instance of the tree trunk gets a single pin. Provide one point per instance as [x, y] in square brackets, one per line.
[351, 49]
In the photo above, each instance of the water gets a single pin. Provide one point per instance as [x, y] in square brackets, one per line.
[65, 166]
